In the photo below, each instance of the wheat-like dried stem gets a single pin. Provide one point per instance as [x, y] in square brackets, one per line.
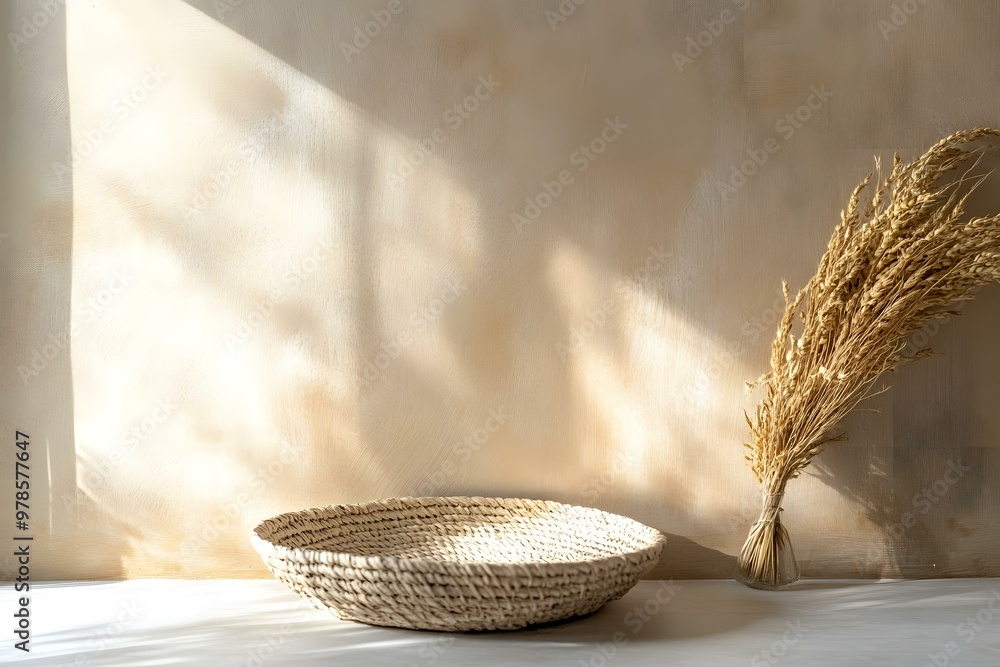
[894, 263]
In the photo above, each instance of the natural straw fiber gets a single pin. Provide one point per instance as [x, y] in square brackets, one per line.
[457, 563]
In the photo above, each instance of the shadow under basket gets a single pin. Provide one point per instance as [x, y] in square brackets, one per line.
[457, 563]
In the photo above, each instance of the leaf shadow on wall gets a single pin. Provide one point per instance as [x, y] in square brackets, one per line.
[528, 288]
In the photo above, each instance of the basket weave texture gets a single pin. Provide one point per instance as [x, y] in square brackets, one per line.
[457, 563]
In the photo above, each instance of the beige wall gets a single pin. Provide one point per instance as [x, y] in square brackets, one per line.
[273, 306]
[36, 243]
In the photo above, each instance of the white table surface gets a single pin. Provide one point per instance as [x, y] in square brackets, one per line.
[257, 623]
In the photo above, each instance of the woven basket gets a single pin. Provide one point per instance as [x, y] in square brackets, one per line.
[457, 563]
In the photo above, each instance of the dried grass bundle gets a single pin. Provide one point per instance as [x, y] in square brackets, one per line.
[894, 264]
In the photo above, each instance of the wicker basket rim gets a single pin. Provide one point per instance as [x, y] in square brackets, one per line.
[414, 564]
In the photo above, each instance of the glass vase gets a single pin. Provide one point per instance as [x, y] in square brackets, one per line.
[767, 560]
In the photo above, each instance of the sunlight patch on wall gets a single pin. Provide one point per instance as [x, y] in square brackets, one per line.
[214, 226]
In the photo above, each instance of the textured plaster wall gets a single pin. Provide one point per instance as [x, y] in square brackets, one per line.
[269, 255]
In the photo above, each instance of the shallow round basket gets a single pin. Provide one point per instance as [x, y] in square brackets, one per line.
[457, 563]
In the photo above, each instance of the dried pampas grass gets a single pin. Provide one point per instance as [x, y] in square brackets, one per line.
[895, 263]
